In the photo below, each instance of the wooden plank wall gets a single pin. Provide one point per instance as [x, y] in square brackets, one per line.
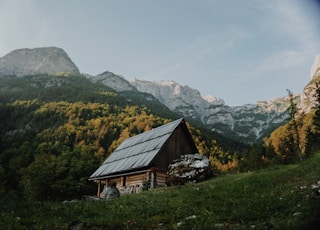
[117, 180]
[134, 183]
[136, 179]
[161, 179]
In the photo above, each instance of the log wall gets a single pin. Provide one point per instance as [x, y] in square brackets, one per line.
[117, 180]
[136, 179]
[161, 179]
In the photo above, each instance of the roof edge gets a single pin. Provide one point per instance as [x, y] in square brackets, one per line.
[124, 173]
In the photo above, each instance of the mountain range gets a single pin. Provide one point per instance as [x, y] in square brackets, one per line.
[248, 123]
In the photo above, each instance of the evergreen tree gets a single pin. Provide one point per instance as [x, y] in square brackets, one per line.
[315, 135]
[252, 159]
[271, 156]
[294, 125]
[308, 146]
[287, 149]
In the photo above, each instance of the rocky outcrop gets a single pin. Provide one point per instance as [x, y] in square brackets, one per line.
[110, 192]
[308, 99]
[189, 168]
[315, 69]
[49, 60]
[118, 83]
[175, 95]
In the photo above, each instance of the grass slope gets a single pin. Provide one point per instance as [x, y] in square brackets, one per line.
[282, 197]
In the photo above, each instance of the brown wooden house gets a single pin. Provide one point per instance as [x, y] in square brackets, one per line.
[145, 157]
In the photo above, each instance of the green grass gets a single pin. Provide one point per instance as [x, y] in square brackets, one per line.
[275, 198]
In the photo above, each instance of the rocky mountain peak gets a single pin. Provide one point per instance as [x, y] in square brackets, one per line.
[213, 99]
[315, 69]
[48, 60]
[308, 99]
[173, 94]
[248, 122]
[114, 81]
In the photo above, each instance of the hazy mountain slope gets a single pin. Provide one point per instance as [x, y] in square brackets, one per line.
[50, 60]
[247, 123]
[112, 80]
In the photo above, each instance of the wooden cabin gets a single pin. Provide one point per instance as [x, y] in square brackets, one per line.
[145, 158]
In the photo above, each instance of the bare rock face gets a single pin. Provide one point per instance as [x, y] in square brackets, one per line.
[308, 99]
[247, 123]
[118, 83]
[110, 192]
[189, 168]
[315, 69]
[49, 60]
[175, 95]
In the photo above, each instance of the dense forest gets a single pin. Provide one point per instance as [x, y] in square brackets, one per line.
[56, 130]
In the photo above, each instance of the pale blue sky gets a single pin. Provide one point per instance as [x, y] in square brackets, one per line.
[239, 50]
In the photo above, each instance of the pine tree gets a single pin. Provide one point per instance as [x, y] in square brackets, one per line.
[294, 125]
[271, 155]
[315, 136]
[308, 145]
[286, 149]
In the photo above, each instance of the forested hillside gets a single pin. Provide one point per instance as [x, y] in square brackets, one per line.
[300, 137]
[56, 130]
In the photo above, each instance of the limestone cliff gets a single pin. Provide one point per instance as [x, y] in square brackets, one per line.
[48, 60]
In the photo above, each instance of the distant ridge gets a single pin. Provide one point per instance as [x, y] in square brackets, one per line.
[247, 123]
[47, 60]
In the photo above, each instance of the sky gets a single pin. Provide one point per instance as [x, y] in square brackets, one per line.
[242, 51]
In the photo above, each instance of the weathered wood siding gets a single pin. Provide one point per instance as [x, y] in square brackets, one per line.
[117, 180]
[161, 179]
[178, 144]
[136, 179]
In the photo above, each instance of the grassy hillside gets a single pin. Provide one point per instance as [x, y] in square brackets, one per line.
[282, 197]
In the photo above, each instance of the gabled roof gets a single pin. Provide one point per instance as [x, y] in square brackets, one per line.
[136, 152]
